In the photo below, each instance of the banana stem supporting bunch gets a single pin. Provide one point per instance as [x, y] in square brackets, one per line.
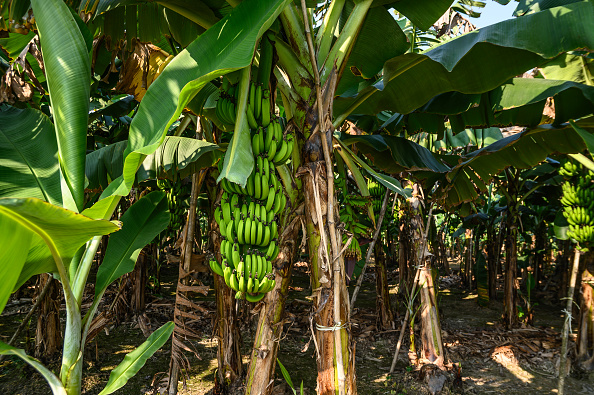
[248, 216]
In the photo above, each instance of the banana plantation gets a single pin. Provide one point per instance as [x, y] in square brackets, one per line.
[296, 197]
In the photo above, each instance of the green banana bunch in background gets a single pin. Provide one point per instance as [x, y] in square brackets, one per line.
[578, 202]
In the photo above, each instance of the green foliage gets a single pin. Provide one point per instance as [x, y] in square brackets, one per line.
[136, 359]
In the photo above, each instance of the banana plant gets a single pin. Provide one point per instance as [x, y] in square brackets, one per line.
[343, 60]
[46, 160]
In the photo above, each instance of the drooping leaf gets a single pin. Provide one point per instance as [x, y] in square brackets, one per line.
[389, 182]
[359, 179]
[518, 102]
[16, 240]
[395, 154]
[55, 234]
[423, 14]
[177, 156]
[523, 150]
[142, 222]
[68, 71]
[227, 46]
[136, 359]
[367, 57]
[531, 6]
[475, 62]
[28, 156]
[570, 67]
[53, 381]
[15, 43]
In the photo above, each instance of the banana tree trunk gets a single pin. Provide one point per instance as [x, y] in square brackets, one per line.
[430, 326]
[403, 258]
[492, 255]
[467, 276]
[226, 328]
[383, 303]
[260, 374]
[510, 314]
[585, 337]
[540, 243]
[48, 336]
[330, 374]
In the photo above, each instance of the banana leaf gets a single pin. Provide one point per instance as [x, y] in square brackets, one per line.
[136, 359]
[36, 235]
[176, 157]
[68, 71]
[227, 46]
[476, 62]
[142, 222]
[28, 156]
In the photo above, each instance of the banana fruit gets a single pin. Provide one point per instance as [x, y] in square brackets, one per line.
[578, 202]
[248, 217]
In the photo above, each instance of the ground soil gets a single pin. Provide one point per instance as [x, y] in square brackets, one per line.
[491, 360]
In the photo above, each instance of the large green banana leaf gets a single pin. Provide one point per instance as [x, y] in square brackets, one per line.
[28, 156]
[531, 6]
[68, 71]
[396, 154]
[229, 45]
[367, 57]
[518, 102]
[142, 222]
[461, 179]
[422, 13]
[35, 235]
[176, 157]
[570, 67]
[476, 62]
[524, 150]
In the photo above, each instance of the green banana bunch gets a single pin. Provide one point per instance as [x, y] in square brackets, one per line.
[248, 216]
[225, 109]
[578, 203]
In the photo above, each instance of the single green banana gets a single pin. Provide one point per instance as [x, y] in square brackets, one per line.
[256, 150]
[254, 232]
[265, 188]
[268, 169]
[216, 268]
[247, 236]
[233, 281]
[259, 234]
[227, 271]
[281, 152]
[250, 284]
[240, 230]
[236, 219]
[258, 102]
[269, 136]
[230, 233]
[254, 298]
[252, 210]
[236, 256]
[266, 109]
[258, 186]
[270, 250]
[270, 199]
[272, 150]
